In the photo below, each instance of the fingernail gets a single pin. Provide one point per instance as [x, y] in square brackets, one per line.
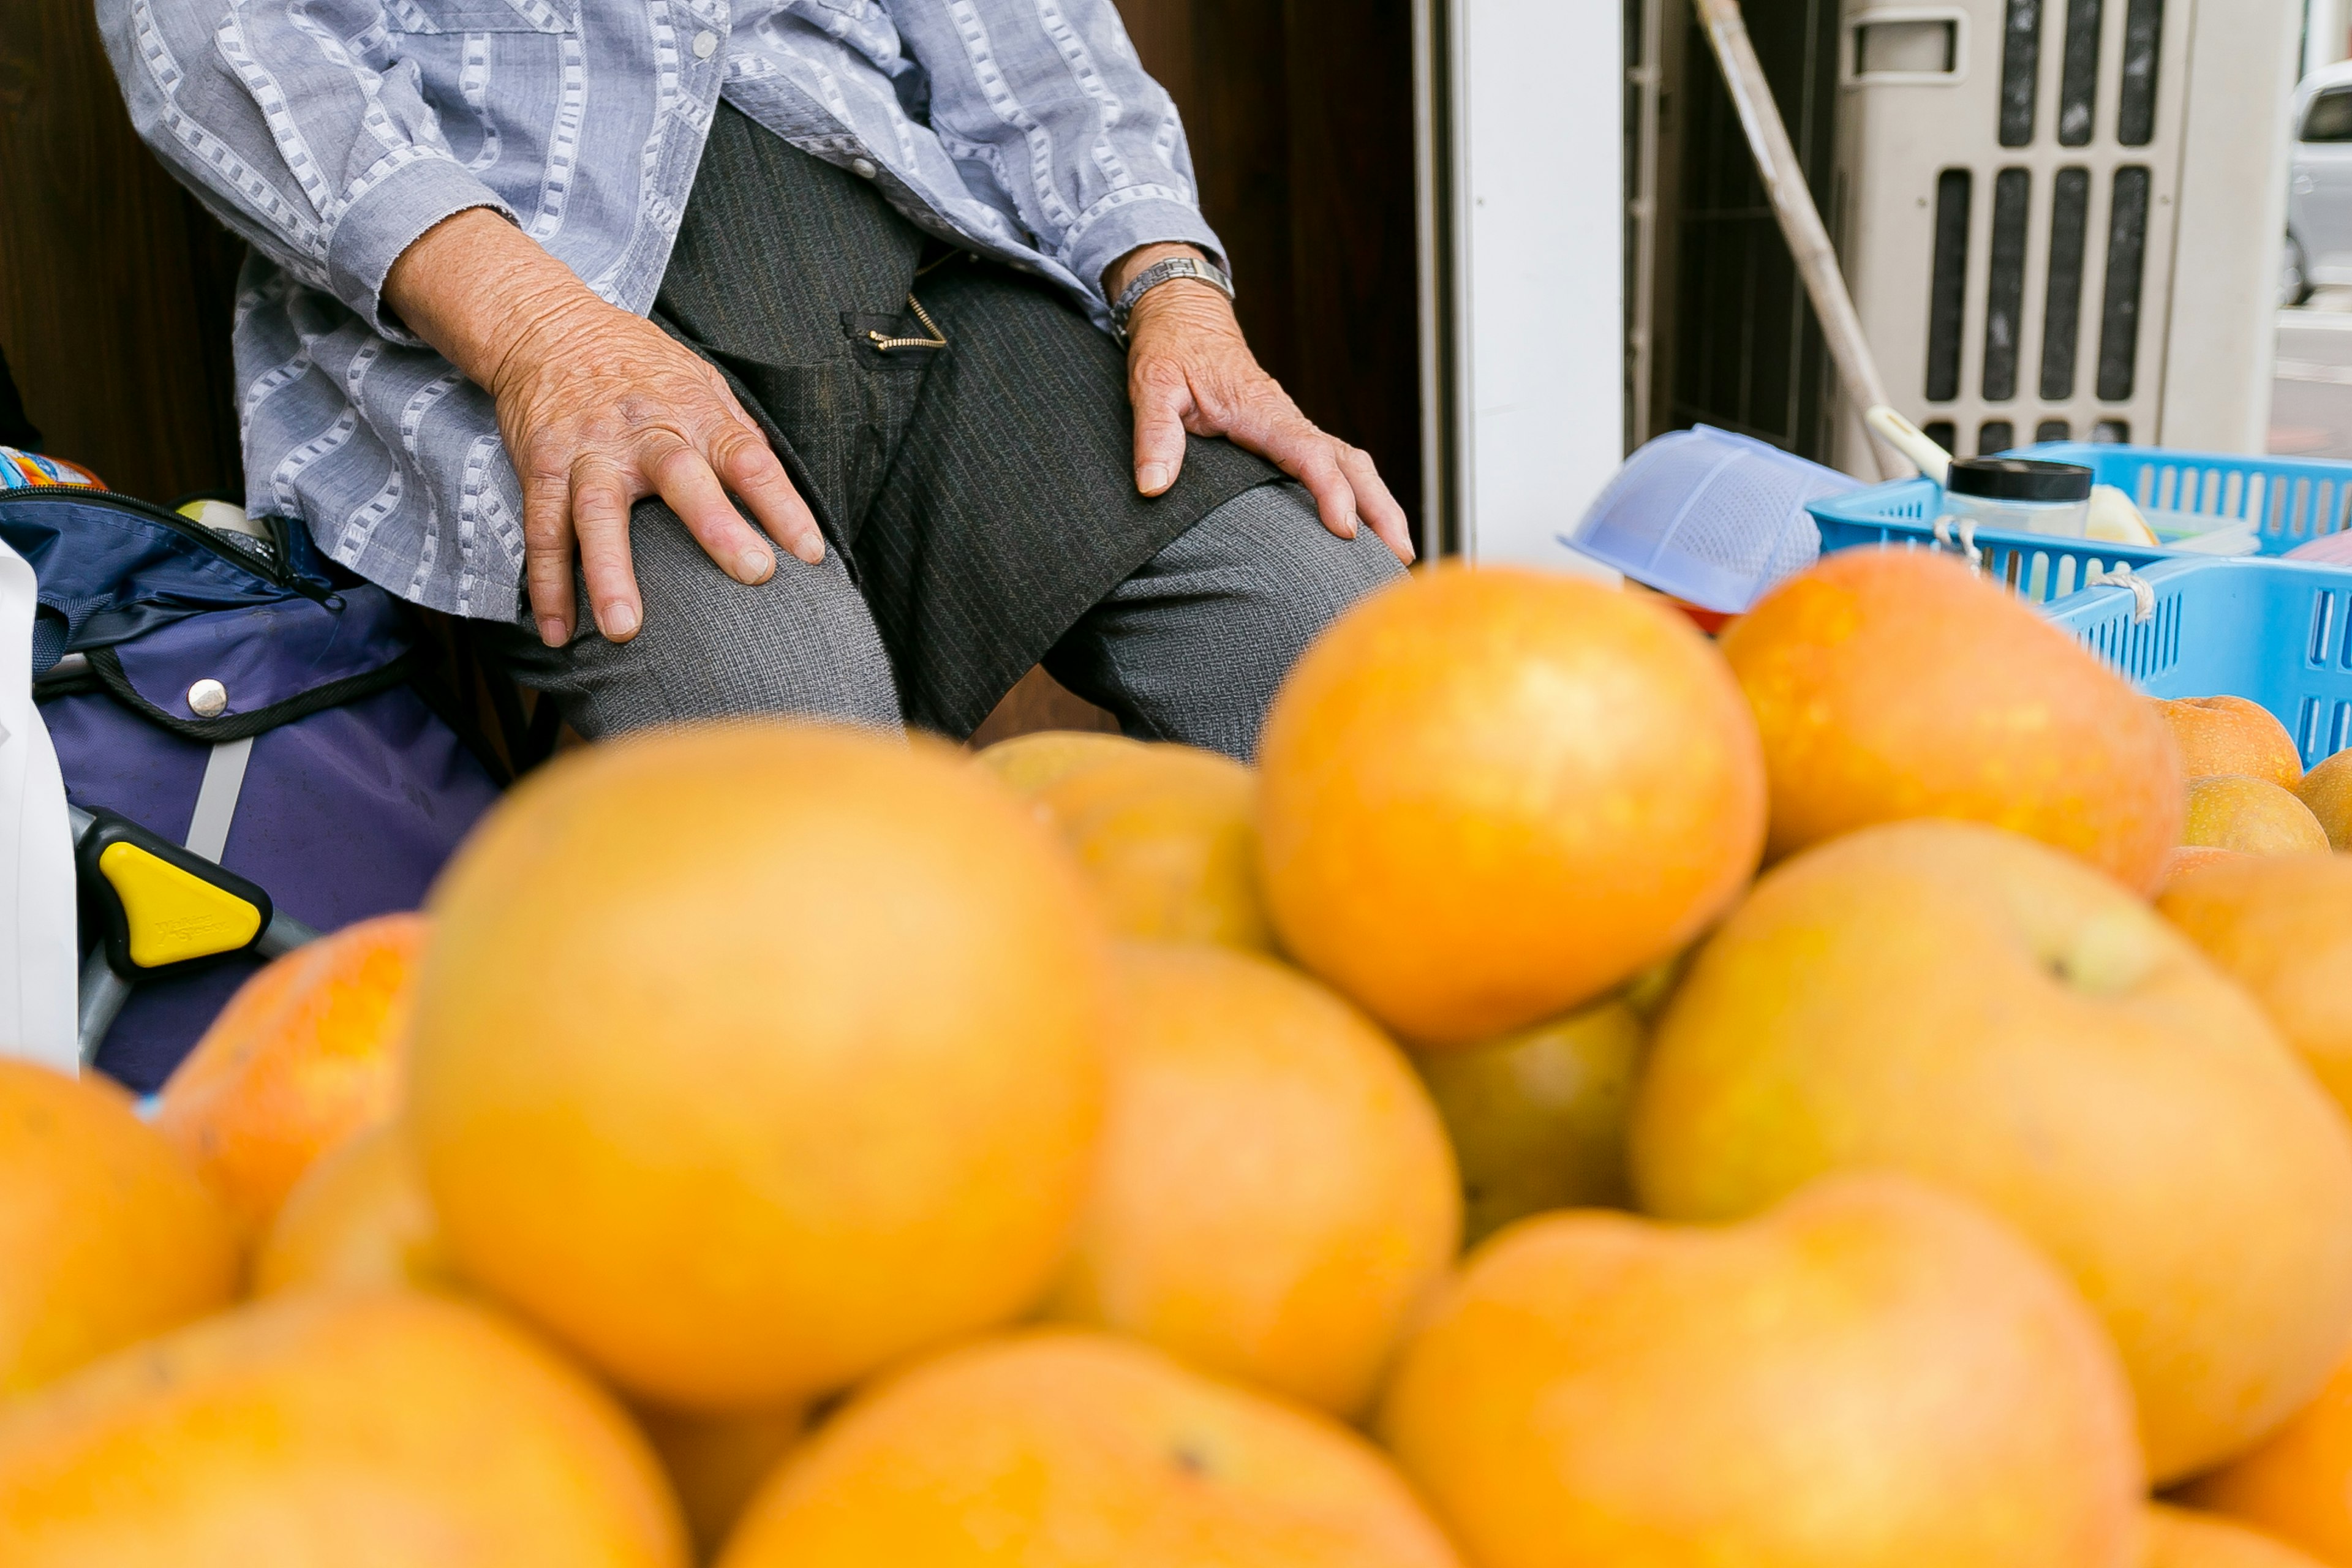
[1151, 478]
[810, 549]
[756, 566]
[551, 631]
[620, 620]
[1355, 526]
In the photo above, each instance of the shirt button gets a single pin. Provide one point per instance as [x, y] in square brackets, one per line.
[705, 44]
[862, 167]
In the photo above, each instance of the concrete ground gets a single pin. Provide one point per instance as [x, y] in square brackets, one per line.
[2311, 406]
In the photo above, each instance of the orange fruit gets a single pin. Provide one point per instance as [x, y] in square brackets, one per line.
[2191, 858]
[2326, 790]
[716, 1463]
[368, 1431]
[2296, 1484]
[2232, 735]
[2254, 817]
[2178, 1538]
[2281, 927]
[106, 1235]
[1170, 836]
[749, 1059]
[1276, 1195]
[1537, 1117]
[1874, 1375]
[1998, 1017]
[1077, 1450]
[1892, 684]
[358, 1217]
[1487, 797]
[1027, 763]
[305, 1053]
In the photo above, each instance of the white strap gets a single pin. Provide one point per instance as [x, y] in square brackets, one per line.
[2143, 591]
[217, 797]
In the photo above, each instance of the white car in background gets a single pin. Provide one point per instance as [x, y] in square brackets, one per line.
[2319, 199]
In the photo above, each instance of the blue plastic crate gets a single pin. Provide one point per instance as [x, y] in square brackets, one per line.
[2271, 631]
[2290, 499]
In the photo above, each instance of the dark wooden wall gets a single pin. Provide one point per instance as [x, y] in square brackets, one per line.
[1301, 116]
[115, 286]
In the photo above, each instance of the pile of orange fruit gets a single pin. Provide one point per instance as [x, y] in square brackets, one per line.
[1889, 1079]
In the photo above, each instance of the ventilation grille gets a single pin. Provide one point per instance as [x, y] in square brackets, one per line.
[2050, 228]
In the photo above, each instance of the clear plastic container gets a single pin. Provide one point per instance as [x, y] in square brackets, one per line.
[2019, 495]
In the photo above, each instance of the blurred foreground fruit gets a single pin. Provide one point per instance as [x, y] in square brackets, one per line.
[1488, 796]
[2177, 1538]
[1874, 1375]
[2327, 791]
[1276, 1195]
[2297, 1485]
[106, 1235]
[360, 1217]
[717, 1463]
[1078, 1450]
[1170, 836]
[367, 1431]
[1896, 684]
[1539, 1117]
[2254, 817]
[1027, 763]
[305, 1054]
[749, 1059]
[2282, 928]
[2232, 735]
[2191, 858]
[1965, 1005]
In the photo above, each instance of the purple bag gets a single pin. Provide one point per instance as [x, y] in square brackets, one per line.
[245, 699]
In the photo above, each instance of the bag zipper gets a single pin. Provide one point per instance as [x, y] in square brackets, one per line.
[196, 533]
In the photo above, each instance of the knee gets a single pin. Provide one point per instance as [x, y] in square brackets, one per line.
[1307, 576]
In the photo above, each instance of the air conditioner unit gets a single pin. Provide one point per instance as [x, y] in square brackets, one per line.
[2062, 219]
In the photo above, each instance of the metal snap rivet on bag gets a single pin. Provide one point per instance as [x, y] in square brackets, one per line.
[208, 699]
[862, 167]
[705, 44]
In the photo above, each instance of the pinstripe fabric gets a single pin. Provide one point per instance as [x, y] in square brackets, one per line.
[330, 134]
[979, 498]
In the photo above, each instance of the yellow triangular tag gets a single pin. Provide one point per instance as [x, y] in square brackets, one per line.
[174, 915]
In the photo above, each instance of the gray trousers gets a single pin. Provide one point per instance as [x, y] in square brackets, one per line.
[1189, 648]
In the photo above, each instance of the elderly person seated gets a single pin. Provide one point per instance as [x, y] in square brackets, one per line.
[831, 357]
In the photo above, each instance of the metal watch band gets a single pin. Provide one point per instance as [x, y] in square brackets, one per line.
[1160, 272]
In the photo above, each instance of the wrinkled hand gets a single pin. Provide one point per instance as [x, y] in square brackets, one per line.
[1189, 368]
[601, 409]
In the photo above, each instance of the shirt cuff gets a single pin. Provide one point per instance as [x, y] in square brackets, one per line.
[1114, 229]
[387, 218]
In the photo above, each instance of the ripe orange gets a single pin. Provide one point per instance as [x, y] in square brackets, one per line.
[2297, 1483]
[1170, 836]
[369, 1431]
[1874, 1375]
[1077, 1450]
[2326, 790]
[358, 1217]
[750, 1058]
[305, 1053]
[106, 1235]
[1487, 797]
[1892, 684]
[1027, 763]
[1276, 1195]
[2252, 815]
[2232, 735]
[2177, 1538]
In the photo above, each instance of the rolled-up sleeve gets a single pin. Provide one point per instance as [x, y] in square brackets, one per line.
[300, 127]
[1048, 98]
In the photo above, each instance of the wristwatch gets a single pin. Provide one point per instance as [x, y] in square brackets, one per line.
[1160, 272]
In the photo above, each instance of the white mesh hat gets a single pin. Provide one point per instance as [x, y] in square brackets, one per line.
[1710, 517]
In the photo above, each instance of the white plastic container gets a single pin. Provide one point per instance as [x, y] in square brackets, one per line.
[2020, 495]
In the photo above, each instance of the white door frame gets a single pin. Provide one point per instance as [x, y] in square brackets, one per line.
[1521, 125]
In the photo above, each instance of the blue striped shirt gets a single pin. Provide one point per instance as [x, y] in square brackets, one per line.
[331, 133]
